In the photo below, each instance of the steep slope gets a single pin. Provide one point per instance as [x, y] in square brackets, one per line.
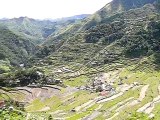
[116, 60]
[14, 48]
[37, 30]
[109, 70]
[111, 9]
[29, 28]
[123, 35]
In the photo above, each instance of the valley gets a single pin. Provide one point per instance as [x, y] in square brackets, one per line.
[105, 66]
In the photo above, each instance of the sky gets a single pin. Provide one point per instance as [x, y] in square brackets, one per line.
[44, 9]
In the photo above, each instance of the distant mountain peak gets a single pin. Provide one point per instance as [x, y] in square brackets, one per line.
[123, 5]
[114, 7]
[75, 17]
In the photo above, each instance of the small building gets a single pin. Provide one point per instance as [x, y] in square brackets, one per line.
[2, 103]
[104, 93]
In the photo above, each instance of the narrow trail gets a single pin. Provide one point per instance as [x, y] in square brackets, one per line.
[111, 98]
[123, 104]
[117, 108]
[88, 104]
[120, 104]
[143, 92]
[148, 108]
[112, 118]
[44, 109]
[93, 115]
[84, 105]
[141, 96]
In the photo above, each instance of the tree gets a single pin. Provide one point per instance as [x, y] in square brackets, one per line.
[138, 116]
[50, 117]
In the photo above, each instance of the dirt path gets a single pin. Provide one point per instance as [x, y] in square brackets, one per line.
[84, 105]
[44, 109]
[90, 105]
[141, 96]
[112, 118]
[111, 98]
[123, 104]
[92, 116]
[148, 108]
[143, 92]
[69, 91]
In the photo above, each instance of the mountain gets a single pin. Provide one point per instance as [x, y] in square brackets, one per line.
[119, 50]
[112, 8]
[34, 30]
[38, 30]
[106, 66]
[14, 50]
[126, 25]
[108, 11]
[27, 33]
[79, 17]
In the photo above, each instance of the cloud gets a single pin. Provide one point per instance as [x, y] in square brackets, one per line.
[41, 9]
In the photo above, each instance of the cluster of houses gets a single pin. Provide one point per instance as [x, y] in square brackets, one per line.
[101, 86]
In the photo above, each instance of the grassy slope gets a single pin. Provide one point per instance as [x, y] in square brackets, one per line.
[144, 69]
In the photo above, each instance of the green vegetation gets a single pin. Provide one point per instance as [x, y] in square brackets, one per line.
[4, 66]
[11, 115]
[78, 81]
[14, 48]
[140, 116]
[156, 111]
[117, 47]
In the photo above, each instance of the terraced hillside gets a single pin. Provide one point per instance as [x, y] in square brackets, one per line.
[108, 71]
[126, 35]
[108, 11]
[127, 94]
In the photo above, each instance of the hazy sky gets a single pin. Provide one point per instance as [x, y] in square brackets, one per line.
[41, 9]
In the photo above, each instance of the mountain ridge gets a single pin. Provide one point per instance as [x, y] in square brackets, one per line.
[94, 19]
[38, 30]
[106, 66]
